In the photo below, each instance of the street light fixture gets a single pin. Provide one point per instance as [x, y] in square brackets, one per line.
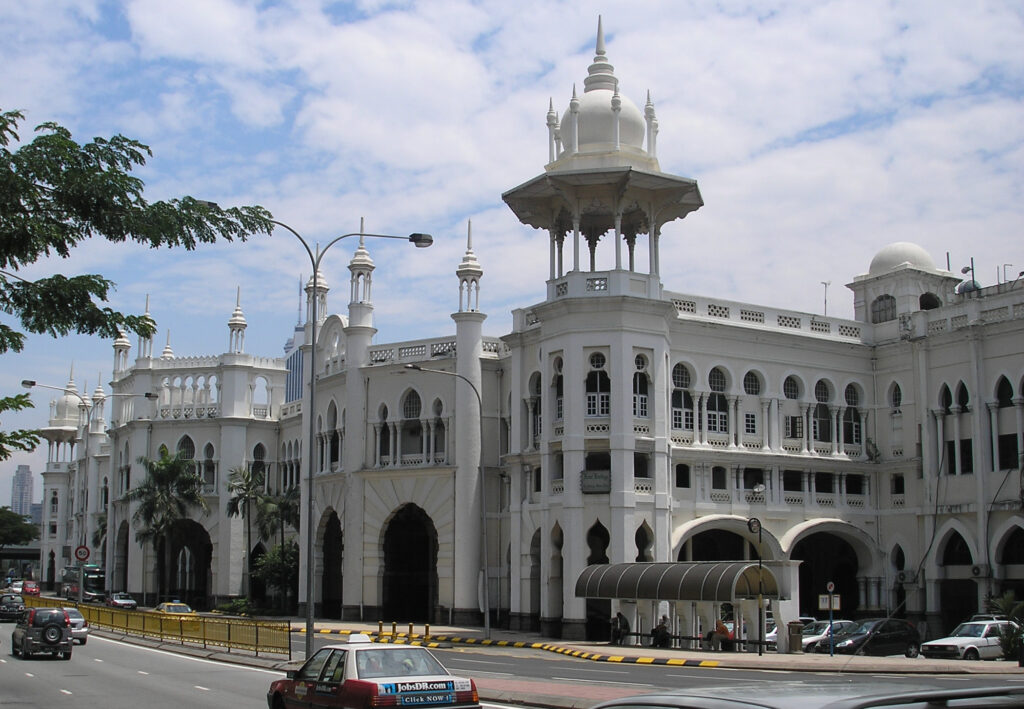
[89, 407]
[421, 241]
[483, 494]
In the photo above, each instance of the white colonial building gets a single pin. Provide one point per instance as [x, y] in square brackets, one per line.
[618, 423]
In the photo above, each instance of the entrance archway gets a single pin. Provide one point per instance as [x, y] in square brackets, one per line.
[189, 552]
[827, 557]
[410, 567]
[331, 581]
[599, 610]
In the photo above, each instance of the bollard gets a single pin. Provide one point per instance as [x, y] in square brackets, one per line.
[426, 630]
[394, 629]
[380, 628]
[410, 631]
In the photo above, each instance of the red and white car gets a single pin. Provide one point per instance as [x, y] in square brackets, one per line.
[360, 673]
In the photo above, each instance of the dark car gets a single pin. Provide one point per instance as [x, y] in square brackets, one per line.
[46, 630]
[11, 606]
[363, 674]
[876, 636]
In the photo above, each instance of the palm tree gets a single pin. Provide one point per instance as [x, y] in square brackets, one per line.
[273, 514]
[170, 491]
[99, 536]
[246, 488]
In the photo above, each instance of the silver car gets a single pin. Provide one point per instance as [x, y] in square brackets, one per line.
[79, 625]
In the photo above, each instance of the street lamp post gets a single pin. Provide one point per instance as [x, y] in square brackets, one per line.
[420, 241]
[89, 407]
[483, 494]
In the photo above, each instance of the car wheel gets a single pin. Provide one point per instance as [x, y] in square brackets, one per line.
[971, 654]
[913, 650]
[52, 634]
[25, 654]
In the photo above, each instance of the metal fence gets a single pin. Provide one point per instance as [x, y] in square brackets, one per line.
[258, 636]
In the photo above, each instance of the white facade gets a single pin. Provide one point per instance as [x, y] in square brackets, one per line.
[617, 422]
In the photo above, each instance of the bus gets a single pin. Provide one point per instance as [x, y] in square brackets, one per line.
[93, 588]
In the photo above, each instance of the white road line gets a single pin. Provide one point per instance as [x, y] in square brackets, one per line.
[65, 691]
[279, 673]
[478, 662]
[142, 672]
[29, 674]
[205, 689]
[96, 659]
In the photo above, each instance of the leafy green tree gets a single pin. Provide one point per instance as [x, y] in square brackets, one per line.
[55, 194]
[15, 529]
[246, 487]
[171, 490]
[279, 568]
[274, 515]
[1008, 605]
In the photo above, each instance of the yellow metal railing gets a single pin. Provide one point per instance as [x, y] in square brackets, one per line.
[258, 636]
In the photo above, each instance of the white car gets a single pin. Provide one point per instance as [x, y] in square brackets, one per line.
[973, 640]
[771, 638]
[819, 631]
[79, 625]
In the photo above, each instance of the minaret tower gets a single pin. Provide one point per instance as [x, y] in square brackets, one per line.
[236, 327]
[469, 430]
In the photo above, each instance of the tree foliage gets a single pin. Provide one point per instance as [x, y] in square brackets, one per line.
[54, 194]
[171, 490]
[246, 487]
[15, 529]
[279, 569]
[1008, 605]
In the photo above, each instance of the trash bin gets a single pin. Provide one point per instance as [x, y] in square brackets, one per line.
[795, 634]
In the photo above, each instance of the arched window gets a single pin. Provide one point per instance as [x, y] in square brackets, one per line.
[791, 388]
[718, 406]
[187, 448]
[559, 390]
[883, 309]
[640, 387]
[945, 400]
[209, 467]
[963, 399]
[682, 400]
[53, 502]
[384, 447]
[896, 398]
[1004, 393]
[598, 387]
[411, 407]
[929, 301]
[259, 461]
[751, 384]
[822, 417]
[851, 417]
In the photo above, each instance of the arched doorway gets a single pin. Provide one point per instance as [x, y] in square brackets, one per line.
[827, 557]
[410, 567]
[958, 591]
[119, 577]
[189, 552]
[716, 545]
[330, 580]
[599, 610]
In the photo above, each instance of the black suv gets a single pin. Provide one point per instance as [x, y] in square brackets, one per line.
[42, 630]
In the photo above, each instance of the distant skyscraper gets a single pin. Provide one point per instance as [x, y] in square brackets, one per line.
[21, 490]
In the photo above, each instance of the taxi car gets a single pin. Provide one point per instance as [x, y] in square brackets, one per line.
[175, 608]
[122, 600]
[978, 640]
[360, 673]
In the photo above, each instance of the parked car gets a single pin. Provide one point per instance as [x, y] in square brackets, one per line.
[819, 631]
[175, 608]
[11, 606]
[16, 587]
[120, 599]
[771, 637]
[822, 694]
[977, 640]
[46, 630]
[30, 588]
[876, 636]
[363, 674]
[79, 625]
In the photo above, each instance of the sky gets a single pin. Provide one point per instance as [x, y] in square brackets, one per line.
[818, 132]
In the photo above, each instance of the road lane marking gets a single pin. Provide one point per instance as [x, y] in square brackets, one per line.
[205, 689]
[65, 691]
[279, 673]
[142, 672]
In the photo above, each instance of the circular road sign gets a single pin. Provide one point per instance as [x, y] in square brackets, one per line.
[830, 587]
[82, 553]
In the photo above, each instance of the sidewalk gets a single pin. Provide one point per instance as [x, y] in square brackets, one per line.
[562, 695]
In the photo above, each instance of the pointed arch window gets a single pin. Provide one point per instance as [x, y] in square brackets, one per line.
[209, 467]
[1004, 393]
[187, 448]
[896, 398]
[963, 398]
[259, 462]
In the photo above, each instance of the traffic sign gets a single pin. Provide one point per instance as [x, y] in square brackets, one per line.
[82, 552]
[830, 587]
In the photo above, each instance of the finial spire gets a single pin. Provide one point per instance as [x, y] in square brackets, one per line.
[599, 51]
[601, 74]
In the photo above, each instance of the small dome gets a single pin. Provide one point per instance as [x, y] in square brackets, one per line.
[899, 254]
[597, 120]
[968, 286]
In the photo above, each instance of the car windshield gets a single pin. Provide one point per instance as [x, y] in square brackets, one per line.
[12, 599]
[176, 608]
[968, 630]
[122, 597]
[397, 663]
[816, 628]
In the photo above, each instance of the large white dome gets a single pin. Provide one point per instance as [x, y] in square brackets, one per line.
[597, 120]
[895, 255]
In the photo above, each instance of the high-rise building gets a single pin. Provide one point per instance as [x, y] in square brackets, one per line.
[21, 490]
